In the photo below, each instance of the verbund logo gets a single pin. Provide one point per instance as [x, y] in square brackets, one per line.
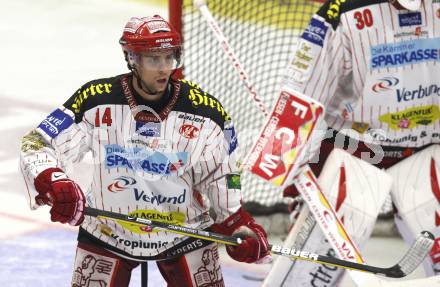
[385, 84]
[159, 199]
[418, 93]
[121, 183]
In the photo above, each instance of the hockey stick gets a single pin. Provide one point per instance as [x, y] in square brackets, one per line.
[230, 53]
[413, 257]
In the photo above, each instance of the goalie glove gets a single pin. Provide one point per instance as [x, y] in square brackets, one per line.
[63, 194]
[254, 247]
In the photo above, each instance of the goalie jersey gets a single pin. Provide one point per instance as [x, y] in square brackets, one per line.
[375, 68]
[170, 161]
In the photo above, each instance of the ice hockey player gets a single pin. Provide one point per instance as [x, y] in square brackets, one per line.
[163, 149]
[375, 66]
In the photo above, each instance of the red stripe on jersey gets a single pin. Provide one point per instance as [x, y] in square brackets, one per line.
[122, 116]
[330, 97]
[116, 120]
[391, 13]
[434, 180]
[355, 57]
[181, 137]
[330, 68]
[384, 29]
[100, 170]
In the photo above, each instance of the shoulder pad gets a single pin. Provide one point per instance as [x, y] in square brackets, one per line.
[332, 10]
[199, 102]
[93, 93]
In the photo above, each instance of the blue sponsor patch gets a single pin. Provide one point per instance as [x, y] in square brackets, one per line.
[55, 123]
[315, 32]
[144, 160]
[148, 129]
[410, 19]
[405, 53]
[231, 137]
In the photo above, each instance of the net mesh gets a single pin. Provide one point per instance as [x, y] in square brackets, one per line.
[263, 35]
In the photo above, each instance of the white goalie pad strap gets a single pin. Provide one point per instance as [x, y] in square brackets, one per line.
[416, 195]
[357, 190]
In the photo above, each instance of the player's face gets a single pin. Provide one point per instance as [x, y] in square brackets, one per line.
[156, 68]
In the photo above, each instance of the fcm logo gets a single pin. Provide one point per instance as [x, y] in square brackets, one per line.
[121, 183]
[385, 84]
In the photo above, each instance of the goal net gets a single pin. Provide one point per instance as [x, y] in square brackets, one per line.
[263, 35]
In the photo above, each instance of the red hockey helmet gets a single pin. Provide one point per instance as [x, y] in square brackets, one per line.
[149, 34]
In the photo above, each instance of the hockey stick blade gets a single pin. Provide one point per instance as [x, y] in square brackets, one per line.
[414, 256]
[406, 265]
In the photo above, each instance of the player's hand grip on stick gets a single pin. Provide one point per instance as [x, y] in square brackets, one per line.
[414, 256]
[65, 197]
[254, 247]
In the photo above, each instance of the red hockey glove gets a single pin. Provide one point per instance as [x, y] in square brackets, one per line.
[63, 194]
[254, 247]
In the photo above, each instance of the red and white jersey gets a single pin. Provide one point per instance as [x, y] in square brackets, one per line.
[169, 164]
[375, 68]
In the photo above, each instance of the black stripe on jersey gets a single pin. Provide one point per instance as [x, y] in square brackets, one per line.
[194, 100]
[109, 91]
[331, 10]
[95, 93]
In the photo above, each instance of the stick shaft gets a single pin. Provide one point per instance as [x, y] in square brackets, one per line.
[394, 271]
[232, 57]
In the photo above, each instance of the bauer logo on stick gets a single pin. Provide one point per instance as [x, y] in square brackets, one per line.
[283, 137]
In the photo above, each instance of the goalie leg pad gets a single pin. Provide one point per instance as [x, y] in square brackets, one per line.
[357, 190]
[416, 196]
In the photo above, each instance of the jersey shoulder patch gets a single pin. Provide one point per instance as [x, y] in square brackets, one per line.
[196, 101]
[332, 10]
[94, 93]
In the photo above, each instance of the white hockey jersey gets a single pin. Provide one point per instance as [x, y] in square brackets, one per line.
[169, 165]
[375, 68]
